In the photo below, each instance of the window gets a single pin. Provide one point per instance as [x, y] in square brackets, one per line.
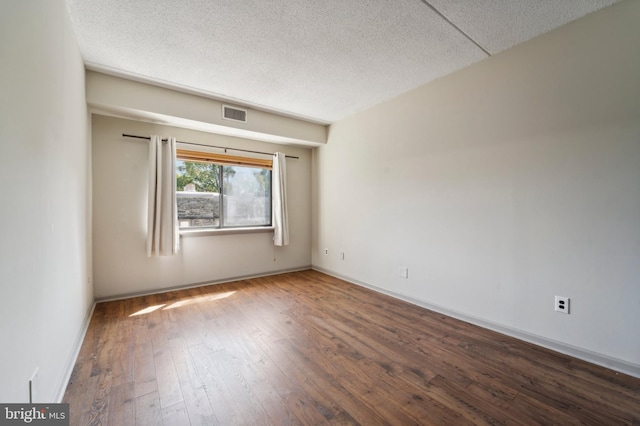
[222, 191]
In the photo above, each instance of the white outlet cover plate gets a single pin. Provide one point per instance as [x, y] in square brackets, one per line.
[403, 272]
[561, 301]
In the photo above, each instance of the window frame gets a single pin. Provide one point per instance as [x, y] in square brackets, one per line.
[227, 160]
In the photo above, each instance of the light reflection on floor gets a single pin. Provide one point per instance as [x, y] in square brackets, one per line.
[184, 302]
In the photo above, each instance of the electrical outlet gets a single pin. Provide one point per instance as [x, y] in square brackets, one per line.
[341, 255]
[562, 304]
[326, 251]
[403, 272]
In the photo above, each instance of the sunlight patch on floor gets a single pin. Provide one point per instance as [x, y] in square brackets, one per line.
[147, 310]
[184, 302]
[200, 299]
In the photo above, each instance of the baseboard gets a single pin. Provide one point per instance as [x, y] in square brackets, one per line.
[198, 284]
[73, 357]
[612, 363]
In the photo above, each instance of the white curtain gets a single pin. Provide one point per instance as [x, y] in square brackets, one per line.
[163, 238]
[280, 214]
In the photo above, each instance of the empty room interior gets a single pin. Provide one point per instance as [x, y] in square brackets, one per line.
[342, 212]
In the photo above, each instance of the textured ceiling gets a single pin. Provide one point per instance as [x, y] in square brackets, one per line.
[319, 60]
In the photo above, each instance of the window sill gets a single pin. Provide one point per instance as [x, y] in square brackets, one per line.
[188, 233]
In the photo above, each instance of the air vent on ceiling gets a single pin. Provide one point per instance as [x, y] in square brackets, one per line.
[235, 114]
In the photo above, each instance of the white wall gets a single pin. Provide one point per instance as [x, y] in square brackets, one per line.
[44, 212]
[119, 222]
[501, 186]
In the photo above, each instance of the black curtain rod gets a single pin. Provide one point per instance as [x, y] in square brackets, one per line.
[124, 135]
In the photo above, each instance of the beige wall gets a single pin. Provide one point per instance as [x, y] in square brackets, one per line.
[119, 217]
[45, 248]
[137, 100]
[501, 186]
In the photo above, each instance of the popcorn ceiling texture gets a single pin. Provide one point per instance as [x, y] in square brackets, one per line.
[316, 60]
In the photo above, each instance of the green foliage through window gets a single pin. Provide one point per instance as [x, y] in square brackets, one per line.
[205, 176]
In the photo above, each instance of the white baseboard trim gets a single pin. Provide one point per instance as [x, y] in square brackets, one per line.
[199, 284]
[73, 357]
[612, 363]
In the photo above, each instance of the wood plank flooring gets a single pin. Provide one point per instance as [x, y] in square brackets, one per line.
[307, 348]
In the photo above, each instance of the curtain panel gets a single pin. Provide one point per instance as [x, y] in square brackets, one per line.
[280, 213]
[163, 238]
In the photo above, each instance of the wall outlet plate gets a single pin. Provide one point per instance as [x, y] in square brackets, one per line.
[403, 272]
[561, 304]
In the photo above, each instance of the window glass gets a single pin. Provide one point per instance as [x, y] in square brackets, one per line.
[247, 196]
[212, 195]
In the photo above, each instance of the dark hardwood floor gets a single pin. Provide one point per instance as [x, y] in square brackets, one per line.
[307, 348]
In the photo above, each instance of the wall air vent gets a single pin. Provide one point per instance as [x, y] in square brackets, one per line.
[235, 114]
